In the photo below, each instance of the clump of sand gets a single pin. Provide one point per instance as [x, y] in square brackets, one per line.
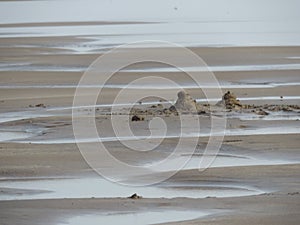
[185, 103]
[230, 101]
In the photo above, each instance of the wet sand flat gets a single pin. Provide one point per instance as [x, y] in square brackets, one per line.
[47, 161]
[44, 179]
[275, 210]
[280, 182]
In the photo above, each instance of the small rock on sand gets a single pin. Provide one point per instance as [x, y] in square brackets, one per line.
[135, 196]
[261, 112]
[137, 118]
[40, 105]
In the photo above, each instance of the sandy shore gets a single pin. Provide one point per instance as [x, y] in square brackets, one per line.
[278, 209]
[261, 157]
[279, 205]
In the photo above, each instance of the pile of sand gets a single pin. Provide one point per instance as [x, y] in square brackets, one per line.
[185, 103]
[229, 101]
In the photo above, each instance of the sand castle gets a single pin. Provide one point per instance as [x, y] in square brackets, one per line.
[185, 103]
[229, 101]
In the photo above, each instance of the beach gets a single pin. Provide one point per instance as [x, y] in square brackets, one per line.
[45, 175]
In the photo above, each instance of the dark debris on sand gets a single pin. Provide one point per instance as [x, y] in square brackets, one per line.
[137, 118]
[135, 196]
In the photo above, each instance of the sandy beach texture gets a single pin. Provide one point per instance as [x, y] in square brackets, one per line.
[44, 179]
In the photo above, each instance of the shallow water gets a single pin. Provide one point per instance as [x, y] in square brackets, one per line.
[233, 132]
[101, 188]
[138, 218]
[157, 86]
[21, 115]
[12, 135]
[220, 161]
[195, 33]
[231, 24]
[8, 133]
[230, 68]
[26, 133]
[273, 116]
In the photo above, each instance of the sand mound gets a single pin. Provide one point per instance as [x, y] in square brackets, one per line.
[229, 101]
[185, 103]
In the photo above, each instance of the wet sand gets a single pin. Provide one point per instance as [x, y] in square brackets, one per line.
[279, 209]
[43, 162]
[254, 179]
